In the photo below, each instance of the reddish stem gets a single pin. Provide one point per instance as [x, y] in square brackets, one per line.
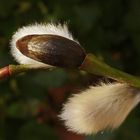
[4, 72]
[13, 70]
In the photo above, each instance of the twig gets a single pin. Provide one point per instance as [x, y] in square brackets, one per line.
[14, 70]
[4, 72]
[95, 66]
[91, 64]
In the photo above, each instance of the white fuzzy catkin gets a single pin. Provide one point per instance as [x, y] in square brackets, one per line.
[52, 29]
[101, 107]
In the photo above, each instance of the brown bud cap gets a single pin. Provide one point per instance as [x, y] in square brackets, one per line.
[52, 49]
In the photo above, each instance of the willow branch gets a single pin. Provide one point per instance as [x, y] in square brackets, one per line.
[93, 65]
[14, 70]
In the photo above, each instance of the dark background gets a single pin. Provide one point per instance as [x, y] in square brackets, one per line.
[30, 102]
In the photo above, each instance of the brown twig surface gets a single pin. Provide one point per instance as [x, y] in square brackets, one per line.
[4, 72]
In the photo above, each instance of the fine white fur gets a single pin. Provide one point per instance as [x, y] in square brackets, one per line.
[101, 107]
[53, 29]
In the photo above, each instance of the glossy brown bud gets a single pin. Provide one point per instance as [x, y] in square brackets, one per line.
[52, 49]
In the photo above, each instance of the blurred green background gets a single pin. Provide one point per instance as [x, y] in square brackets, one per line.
[30, 102]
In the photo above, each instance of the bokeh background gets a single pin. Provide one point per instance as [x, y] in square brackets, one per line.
[29, 103]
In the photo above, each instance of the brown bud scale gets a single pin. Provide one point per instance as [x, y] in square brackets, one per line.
[52, 49]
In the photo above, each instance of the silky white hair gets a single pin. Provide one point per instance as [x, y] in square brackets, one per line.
[53, 29]
[100, 107]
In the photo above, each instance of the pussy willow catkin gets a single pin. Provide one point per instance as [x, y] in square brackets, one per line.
[45, 45]
[100, 107]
